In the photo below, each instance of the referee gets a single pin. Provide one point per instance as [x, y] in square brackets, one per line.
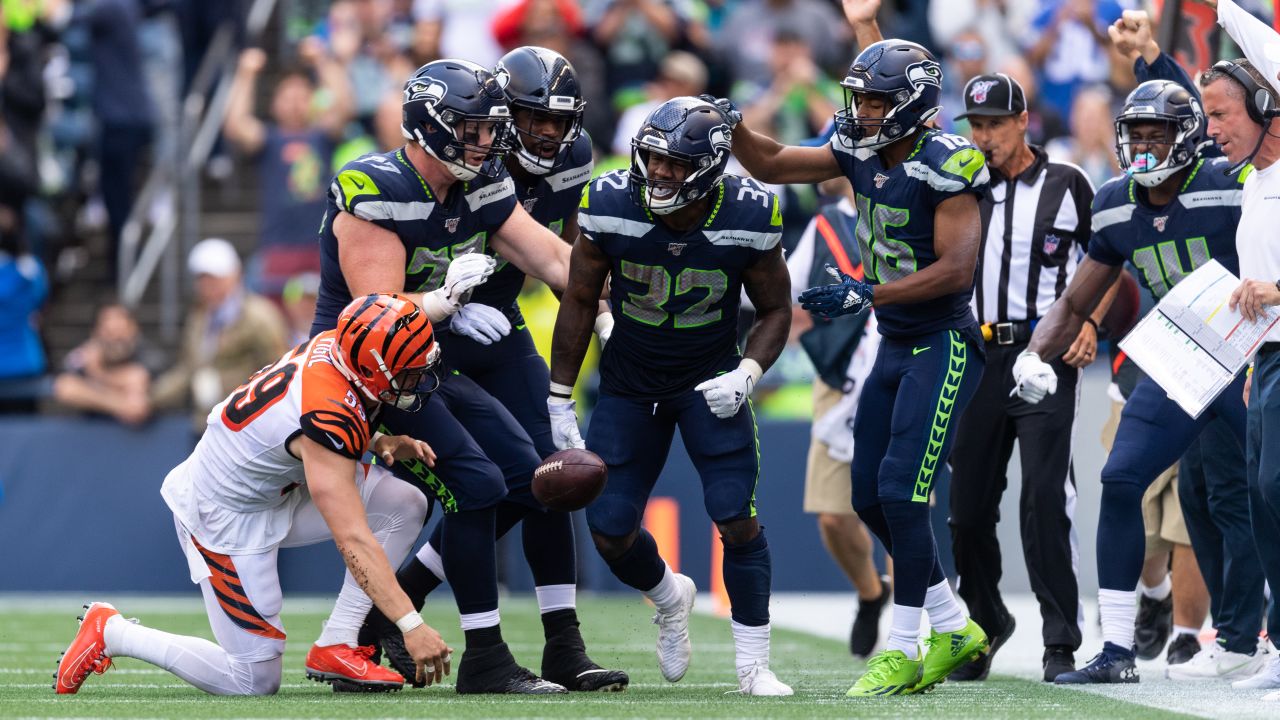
[1036, 223]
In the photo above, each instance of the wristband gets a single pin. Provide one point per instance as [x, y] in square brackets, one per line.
[373, 439]
[560, 390]
[1092, 322]
[753, 369]
[410, 622]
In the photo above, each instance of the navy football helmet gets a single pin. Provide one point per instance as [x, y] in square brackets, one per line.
[444, 102]
[1167, 102]
[909, 80]
[542, 82]
[688, 130]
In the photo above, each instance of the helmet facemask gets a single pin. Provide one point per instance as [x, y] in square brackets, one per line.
[874, 133]
[1145, 167]
[540, 161]
[664, 197]
[463, 132]
[409, 389]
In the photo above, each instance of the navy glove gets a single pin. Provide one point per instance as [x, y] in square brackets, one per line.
[727, 108]
[847, 295]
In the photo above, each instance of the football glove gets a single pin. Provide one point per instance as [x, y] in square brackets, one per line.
[726, 393]
[846, 295]
[464, 274]
[564, 424]
[728, 108]
[486, 325]
[1033, 378]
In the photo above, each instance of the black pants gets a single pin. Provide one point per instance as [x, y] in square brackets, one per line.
[979, 462]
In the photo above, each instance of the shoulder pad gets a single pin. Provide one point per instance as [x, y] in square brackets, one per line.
[948, 163]
[606, 206]
[577, 169]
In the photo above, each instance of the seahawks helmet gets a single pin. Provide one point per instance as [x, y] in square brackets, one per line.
[1159, 101]
[543, 82]
[688, 130]
[909, 80]
[440, 100]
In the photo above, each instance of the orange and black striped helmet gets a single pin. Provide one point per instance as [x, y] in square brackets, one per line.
[387, 347]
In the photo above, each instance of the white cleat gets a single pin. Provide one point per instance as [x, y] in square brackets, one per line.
[761, 682]
[1215, 663]
[1268, 678]
[674, 648]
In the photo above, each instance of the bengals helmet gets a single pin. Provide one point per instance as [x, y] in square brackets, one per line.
[387, 348]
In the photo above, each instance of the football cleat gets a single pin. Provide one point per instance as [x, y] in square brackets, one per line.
[1057, 659]
[759, 681]
[890, 672]
[979, 667]
[349, 669]
[1113, 665]
[492, 670]
[1183, 648]
[866, 624]
[944, 652]
[1214, 662]
[386, 639]
[674, 648]
[1268, 678]
[88, 650]
[1152, 627]
[565, 662]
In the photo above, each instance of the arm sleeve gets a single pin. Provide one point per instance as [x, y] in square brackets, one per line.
[1164, 68]
[1260, 44]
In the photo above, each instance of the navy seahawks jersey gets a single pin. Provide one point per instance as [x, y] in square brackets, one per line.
[675, 294]
[551, 200]
[1166, 244]
[386, 190]
[895, 221]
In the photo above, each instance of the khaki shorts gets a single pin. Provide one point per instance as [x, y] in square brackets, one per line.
[1161, 512]
[827, 484]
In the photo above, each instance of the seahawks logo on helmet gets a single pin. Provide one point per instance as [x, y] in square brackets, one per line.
[432, 92]
[502, 76]
[926, 72]
[721, 137]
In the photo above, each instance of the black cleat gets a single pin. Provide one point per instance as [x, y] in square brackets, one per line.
[1151, 629]
[866, 624]
[492, 670]
[980, 667]
[387, 640]
[1113, 665]
[565, 662]
[1058, 659]
[1183, 648]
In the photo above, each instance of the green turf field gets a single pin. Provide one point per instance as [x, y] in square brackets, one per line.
[618, 633]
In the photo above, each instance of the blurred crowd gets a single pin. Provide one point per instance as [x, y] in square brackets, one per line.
[91, 91]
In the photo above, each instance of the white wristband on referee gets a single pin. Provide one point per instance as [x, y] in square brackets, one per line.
[409, 622]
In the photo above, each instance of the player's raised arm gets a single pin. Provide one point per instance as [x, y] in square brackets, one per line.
[770, 161]
[329, 479]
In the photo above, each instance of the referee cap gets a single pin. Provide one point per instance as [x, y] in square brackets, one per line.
[994, 94]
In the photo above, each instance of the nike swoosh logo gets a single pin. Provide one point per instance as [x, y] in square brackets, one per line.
[357, 671]
[358, 183]
[917, 351]
[336, 443]
[967, 161]
[62, 679]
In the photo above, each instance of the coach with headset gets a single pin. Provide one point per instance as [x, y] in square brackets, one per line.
[1239, 100]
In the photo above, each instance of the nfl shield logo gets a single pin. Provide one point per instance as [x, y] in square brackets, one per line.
[529, 203]
[452, 224]
[881, 180]
[1160, 222]
[1051, 243]
[676, 248]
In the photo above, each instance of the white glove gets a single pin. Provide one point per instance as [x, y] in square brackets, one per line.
[486, 325]
[465, 273]
[726, 393]
[1033, 378]
[604, 327]
[564, 424]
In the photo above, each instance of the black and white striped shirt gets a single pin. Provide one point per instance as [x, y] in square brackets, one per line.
[1035, 228]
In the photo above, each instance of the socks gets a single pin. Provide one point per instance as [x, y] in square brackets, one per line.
[904, 635]
[913, 550]
[1160, 591]
[470, 560]
[751, 646]
[945, 614]
[1184, 630]
[336, 633]
[547, 539]
[482, 637]
[556, 597]
[747, 577]
[1121, 538]
[1119, 610]
[666, 594]
[640, 567]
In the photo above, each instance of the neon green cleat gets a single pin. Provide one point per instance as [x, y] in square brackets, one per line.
[948, 651]
[890, 672]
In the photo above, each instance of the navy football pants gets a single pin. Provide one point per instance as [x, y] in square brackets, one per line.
[1264, 473]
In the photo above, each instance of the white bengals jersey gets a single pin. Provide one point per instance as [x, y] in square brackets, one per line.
[237, 491]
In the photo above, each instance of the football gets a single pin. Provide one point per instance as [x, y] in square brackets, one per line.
[569, 480]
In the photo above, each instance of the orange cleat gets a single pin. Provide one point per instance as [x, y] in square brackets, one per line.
[88, 650]
[348, 669]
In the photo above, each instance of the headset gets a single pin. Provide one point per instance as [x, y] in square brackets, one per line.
[1259, 103]
[1258, 100]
